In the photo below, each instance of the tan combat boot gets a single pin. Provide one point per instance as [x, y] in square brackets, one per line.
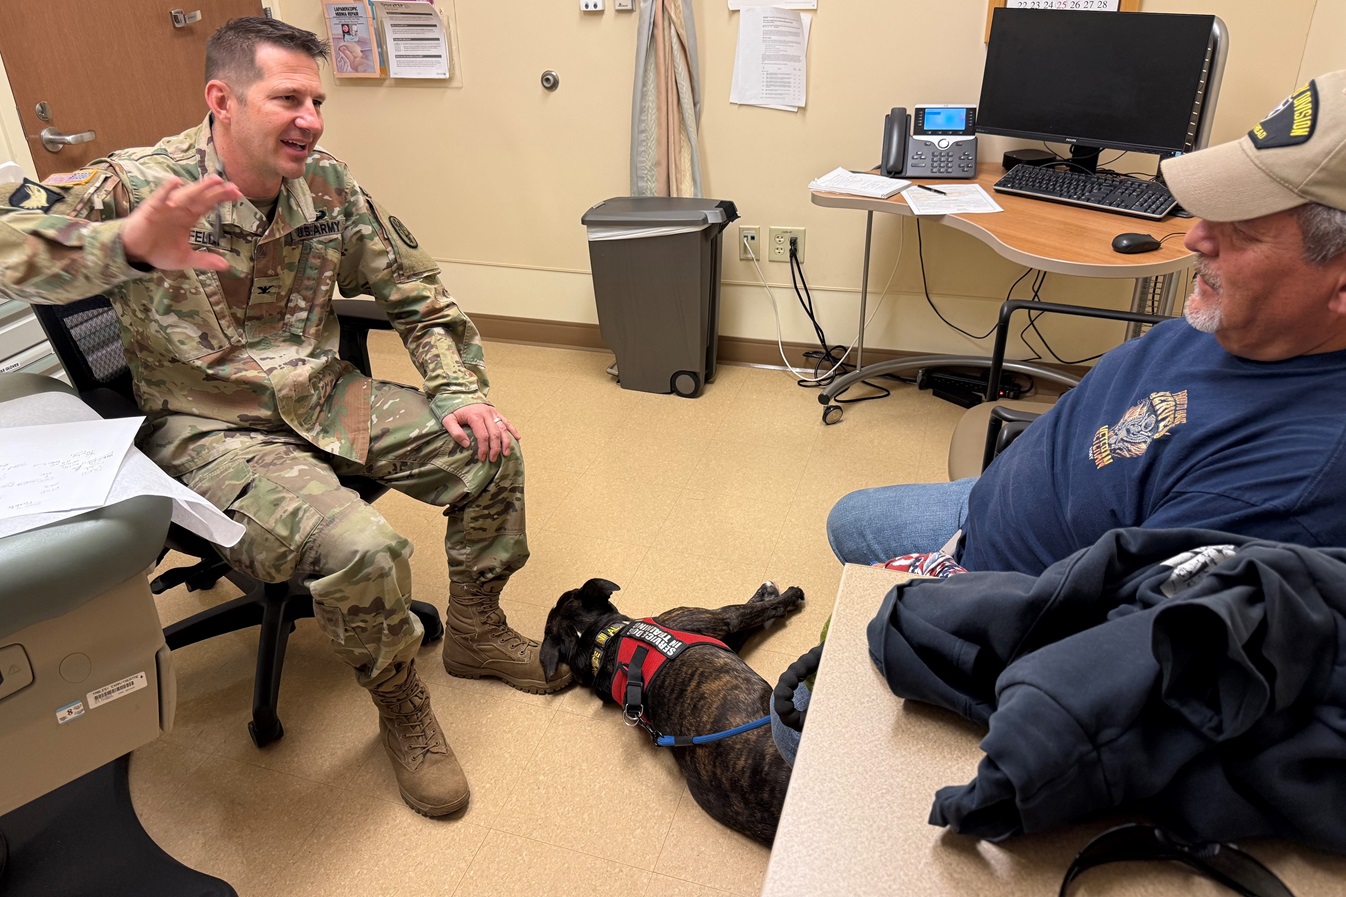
[428, 775]
[478, 642]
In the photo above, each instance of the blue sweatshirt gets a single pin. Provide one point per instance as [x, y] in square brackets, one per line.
[1170, 430]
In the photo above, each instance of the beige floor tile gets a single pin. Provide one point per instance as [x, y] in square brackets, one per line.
[674, 416]
[159, 771]
[511, 866]
[613, 506]
[654, 453]
[377, 849]
[722, 525]
[666, 886]
[239, 822]
[579, 791]
[702, 851]
[753, 469]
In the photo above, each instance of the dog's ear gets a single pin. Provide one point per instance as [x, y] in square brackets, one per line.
[550, 655]
[558, 641]
[596, 593]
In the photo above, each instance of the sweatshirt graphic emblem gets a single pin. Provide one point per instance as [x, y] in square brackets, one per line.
[1141, 425]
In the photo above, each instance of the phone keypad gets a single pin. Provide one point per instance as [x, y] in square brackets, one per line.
[927, 159]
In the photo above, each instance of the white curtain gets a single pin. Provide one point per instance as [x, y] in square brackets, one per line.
[666, 102]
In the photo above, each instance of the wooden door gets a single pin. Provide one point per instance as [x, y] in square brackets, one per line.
[118, 68]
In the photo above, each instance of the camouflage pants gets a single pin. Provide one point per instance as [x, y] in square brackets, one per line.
[301, 521]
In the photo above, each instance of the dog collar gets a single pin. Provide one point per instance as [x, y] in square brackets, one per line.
[602, 639]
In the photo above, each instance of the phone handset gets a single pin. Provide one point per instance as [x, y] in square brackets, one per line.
[896, 126]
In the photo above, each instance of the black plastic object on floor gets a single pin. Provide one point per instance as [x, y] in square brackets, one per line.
[656, 264]
[84, 840]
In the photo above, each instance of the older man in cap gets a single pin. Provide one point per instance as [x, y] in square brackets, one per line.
[1233, 419]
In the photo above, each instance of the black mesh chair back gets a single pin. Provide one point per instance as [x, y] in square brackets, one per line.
[87, 339]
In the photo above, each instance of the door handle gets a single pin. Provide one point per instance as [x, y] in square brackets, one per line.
[53, 139]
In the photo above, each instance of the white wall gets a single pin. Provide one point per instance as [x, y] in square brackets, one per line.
[493, 173]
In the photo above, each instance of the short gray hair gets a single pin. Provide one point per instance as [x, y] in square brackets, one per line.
[1324, 230]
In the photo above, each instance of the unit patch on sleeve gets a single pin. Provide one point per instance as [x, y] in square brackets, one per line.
[402, 233]
[33, 197]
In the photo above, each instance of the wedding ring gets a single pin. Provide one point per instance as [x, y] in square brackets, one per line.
[499, 420]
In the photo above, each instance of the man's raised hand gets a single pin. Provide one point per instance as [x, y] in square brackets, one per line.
[157, 232]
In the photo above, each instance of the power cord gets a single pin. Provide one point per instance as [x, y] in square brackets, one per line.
[925, 288]
[840, 365]
[829, 353]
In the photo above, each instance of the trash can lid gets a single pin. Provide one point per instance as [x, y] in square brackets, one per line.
[659, 211]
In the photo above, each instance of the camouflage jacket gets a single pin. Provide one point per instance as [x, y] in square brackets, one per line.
[222, 359]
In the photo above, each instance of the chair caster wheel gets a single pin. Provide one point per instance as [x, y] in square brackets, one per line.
[832, 414]
[262, 736]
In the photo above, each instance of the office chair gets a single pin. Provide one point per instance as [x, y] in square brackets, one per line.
[987, 429]
[86, 338]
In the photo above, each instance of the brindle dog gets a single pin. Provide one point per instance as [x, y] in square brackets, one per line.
[739, 780]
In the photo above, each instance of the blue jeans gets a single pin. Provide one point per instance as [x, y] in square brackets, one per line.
[875, 525]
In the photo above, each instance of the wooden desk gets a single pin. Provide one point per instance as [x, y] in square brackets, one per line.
[869, 765]
[1050, 236]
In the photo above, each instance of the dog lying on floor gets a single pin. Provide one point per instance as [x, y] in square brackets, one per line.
[704, 689]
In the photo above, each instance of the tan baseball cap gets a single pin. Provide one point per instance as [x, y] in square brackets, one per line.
[1296, 155]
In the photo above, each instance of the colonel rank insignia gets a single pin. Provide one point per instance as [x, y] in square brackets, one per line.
[33, 197]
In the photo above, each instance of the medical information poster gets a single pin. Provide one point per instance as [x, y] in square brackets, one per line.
[415, 39]
[355, 48]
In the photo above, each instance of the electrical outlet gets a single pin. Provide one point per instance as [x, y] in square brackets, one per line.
[749, 234]
[620, 5]
[778, 243]
[591, 5]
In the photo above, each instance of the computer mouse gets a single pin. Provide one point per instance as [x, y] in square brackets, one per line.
[1130, 243]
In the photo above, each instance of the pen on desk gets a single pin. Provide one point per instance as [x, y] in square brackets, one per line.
[931, 189]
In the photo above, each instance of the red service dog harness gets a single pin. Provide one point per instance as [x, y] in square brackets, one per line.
[644, 649]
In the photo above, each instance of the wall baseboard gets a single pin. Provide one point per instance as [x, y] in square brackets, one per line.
[730, 349]
[571, 335]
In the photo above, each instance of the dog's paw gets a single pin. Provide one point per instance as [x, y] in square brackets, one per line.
[791, 599]
[765, 592]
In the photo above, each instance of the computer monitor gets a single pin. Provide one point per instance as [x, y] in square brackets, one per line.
[1127, 81]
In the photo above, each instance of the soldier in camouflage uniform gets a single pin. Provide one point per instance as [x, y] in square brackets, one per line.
[223, 292]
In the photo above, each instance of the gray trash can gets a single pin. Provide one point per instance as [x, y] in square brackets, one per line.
[656, 270]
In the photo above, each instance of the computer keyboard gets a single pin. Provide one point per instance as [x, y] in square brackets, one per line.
[1109, 193]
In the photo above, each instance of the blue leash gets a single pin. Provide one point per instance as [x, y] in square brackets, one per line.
[686, 740]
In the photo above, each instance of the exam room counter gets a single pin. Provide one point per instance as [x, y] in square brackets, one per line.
[869, 765]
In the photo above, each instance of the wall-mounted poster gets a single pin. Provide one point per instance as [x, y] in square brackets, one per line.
[355, 46]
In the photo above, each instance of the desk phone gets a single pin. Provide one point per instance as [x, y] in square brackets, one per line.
[939, 141]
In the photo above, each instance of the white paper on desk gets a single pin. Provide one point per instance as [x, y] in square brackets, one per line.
[855, 183]
[61, 467]
[958, 199]
[137, 475]
[769, 62]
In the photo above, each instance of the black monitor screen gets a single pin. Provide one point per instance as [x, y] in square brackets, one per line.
[1119, 80]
